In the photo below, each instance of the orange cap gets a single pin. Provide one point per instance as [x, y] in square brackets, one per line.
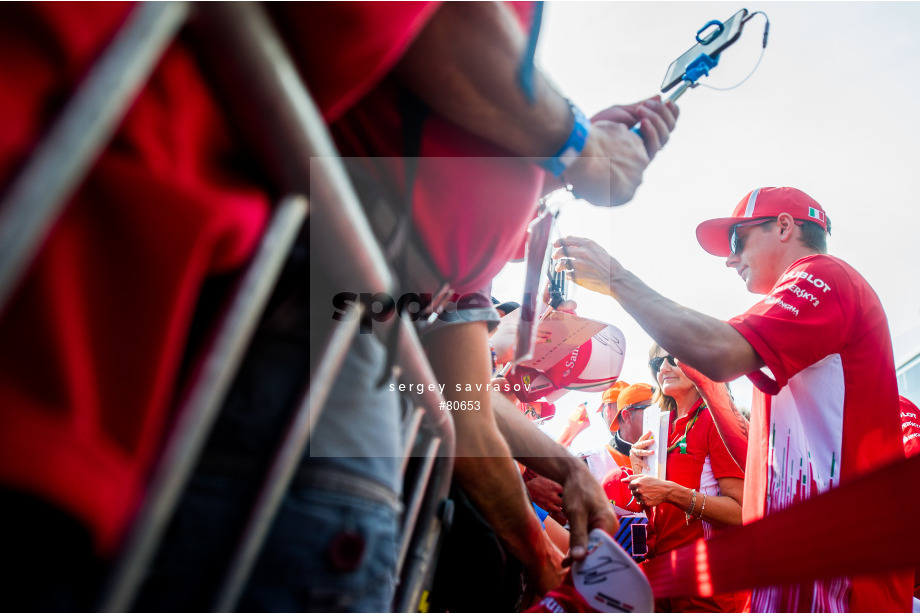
[637, 393]
[611, 394]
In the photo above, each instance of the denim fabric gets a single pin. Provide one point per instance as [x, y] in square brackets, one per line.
[197, 546]
[332, 545]
[295, 571]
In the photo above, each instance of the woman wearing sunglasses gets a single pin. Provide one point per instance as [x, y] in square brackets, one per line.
[704, 488]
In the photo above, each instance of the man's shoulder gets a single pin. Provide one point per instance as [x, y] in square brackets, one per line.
[831, 266]
[825, 275]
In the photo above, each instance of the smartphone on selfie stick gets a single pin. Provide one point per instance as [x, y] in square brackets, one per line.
[711, 40]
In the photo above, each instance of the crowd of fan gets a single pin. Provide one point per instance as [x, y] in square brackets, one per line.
[446, 115]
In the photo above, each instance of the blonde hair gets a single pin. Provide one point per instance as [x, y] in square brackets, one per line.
[665, 402]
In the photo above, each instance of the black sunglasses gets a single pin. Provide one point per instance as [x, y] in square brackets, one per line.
[736, 243]
[637, 407]
[656, 362]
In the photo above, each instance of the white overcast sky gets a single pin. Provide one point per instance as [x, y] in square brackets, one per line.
[832, 110]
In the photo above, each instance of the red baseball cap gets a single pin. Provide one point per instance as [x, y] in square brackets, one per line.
[618, 491]
[761, 203]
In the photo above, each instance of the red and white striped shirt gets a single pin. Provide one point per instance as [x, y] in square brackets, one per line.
[826, 410]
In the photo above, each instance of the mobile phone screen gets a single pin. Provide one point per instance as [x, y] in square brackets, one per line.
[639, 539]
[730, 33]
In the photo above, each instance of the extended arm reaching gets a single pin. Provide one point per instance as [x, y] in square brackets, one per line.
[584, 502]
[464, 66]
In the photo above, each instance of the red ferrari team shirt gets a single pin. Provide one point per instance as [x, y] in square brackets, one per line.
[910, 424]
[826, 410]
[699, 465]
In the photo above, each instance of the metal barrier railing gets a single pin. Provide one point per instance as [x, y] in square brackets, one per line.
[199, 409]
[286, 113]
[281, 122]
[283, 467]
[418, 551]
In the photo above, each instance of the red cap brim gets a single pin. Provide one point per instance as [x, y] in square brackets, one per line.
[713, 235]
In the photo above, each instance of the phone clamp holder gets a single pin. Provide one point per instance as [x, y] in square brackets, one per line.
[700, 67]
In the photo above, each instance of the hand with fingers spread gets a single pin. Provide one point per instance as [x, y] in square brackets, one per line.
[656, 120]
[583, 500]
[586, 507]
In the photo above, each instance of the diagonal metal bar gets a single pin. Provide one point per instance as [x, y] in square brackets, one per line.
[417, 492]
[412, 425]
[424, 547]
[199, 408]
[418, 553]
[279, 118]
[284, 466]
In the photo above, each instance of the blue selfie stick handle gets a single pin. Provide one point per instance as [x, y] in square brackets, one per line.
[697, 69]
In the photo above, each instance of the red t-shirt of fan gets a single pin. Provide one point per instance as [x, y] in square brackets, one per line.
[94, 339]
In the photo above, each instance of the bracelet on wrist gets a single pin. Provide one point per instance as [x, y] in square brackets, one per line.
[703, 508]
[689, 511]
[572, 147]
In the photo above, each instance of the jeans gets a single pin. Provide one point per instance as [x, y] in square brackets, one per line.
[327, 551]
[332, 545]
[345, 562]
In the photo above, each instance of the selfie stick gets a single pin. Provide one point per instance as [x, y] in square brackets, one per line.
[701, 66]
[698, 68]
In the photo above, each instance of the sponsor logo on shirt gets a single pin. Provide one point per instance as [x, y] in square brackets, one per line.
[820, 284]
[775, 300]
[799, 292]
[907, 421]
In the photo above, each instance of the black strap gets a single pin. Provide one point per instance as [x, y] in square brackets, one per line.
[413, 113]
[526, 70]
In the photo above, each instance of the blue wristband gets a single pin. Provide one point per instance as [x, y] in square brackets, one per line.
[573, 146]
[541, 514]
